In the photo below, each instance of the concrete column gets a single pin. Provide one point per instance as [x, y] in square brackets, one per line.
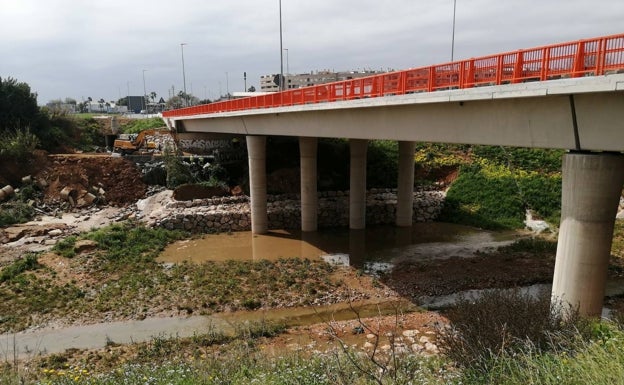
[256, 148]
[309, 195]
[591, 188]
[357, 185]
[405, 186]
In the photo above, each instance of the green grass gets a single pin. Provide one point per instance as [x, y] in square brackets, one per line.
[597, 361]
[135, 126]
[498, 185]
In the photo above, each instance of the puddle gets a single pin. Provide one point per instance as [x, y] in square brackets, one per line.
[372, 249]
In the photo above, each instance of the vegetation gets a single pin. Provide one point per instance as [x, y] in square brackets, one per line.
[126, 281]
[15, 211]
[137, 125]
[499, 184]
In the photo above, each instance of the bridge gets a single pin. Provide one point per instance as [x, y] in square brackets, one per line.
[568, 96]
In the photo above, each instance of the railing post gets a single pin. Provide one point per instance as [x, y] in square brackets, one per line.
[518, 67]
[601, 54]
[545, 63]
[579, 61]
[431, 79]
[499, 69]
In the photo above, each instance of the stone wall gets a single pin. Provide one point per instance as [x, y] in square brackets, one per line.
[233, 214]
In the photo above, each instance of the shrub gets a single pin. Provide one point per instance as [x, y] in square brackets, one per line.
[66, 247]
[18, 144]
[15, 212]
[177, 173]
[503, 321]
[382, 164]
[29, 262]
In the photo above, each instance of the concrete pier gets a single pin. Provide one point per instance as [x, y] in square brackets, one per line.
[591, 188]
[357, 184]
[309, 195]
[405, 185]
[256, 148]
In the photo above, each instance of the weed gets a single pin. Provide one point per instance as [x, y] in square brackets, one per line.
[15, 212]
[503, 321]
[66, 247]
[29, 262]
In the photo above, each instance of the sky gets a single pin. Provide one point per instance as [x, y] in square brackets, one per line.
[111, 48]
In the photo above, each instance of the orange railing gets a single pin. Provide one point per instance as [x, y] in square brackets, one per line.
[589, 57]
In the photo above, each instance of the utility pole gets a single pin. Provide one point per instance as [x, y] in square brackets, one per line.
[453, 36]
[281, 49]
[184, 75]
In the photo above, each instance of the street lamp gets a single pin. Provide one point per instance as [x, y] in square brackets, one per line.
[281, 49]
[184, 74]
[144, 92]
[453, 36]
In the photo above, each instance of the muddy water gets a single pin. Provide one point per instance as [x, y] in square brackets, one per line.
[375, 248]
[372, 249]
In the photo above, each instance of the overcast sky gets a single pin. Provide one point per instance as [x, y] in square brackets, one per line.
[82, 48]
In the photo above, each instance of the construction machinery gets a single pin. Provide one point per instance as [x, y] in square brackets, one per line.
[145, 141]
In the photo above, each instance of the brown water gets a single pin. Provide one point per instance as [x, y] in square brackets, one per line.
[374, 248]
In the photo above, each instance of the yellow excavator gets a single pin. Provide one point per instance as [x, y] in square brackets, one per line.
[131, 143]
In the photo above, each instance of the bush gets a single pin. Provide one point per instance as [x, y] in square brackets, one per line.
[18, 144]
[177, 173]
[66, 247]
[382, 164]
[15, 212]
[503, 321]
[29, 262]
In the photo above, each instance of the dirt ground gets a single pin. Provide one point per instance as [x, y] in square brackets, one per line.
[114, 180]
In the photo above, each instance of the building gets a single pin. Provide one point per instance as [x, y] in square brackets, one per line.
[270, 83]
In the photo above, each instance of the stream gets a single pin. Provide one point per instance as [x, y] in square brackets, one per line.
[372, 250]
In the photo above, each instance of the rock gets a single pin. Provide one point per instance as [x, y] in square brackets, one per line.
[431, 348]
[55, 232]
[85, 245]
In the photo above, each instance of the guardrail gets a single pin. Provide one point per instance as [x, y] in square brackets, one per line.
[588, 57]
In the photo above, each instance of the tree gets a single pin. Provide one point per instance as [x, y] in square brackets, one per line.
[252, 89]
[18, 106]
[174, 102]
[153, 96]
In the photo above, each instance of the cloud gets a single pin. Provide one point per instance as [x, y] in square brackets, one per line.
[65, 48]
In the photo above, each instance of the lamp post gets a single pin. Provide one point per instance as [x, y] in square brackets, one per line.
[287, 66]
[144, 92]
[184, 75]
[453, 36]
[281, 49]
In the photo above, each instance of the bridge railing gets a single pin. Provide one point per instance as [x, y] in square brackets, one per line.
[588, 57]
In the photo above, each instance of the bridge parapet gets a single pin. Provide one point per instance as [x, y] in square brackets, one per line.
[588, 57]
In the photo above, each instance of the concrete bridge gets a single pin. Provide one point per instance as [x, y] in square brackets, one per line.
[567, 96]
